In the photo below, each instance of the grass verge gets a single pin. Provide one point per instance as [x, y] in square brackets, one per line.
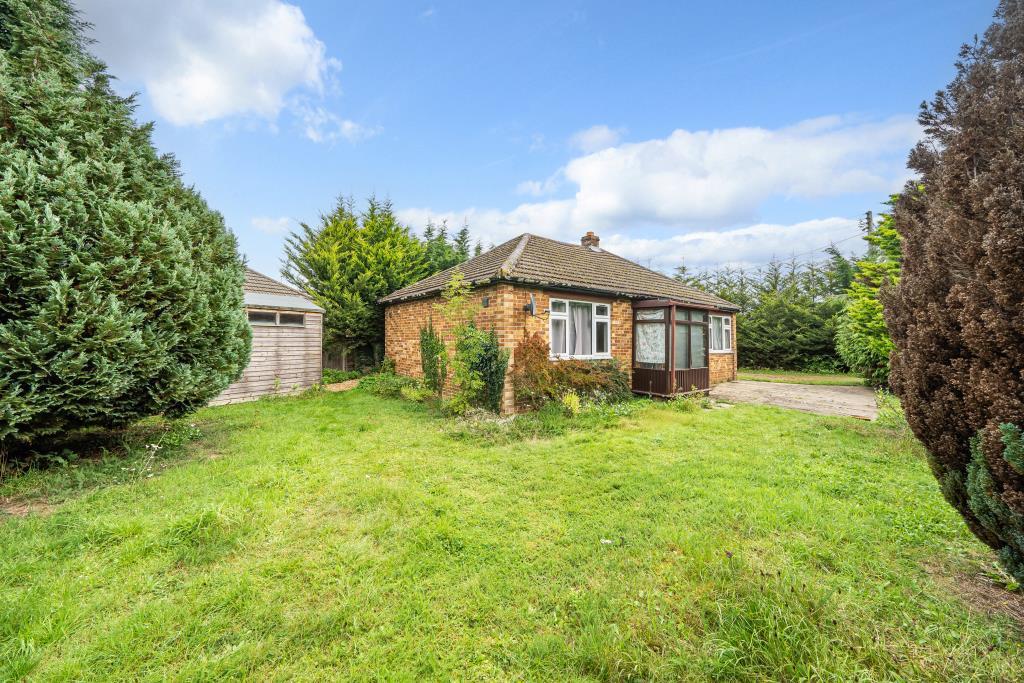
[798, 377]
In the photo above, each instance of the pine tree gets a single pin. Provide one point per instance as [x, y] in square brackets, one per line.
[461, 242]
[957, 315]
[120, 290]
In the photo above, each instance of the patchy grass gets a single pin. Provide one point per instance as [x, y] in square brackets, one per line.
[351, 536]
[798, 377]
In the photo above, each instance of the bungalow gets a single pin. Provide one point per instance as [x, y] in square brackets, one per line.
[287, 331]
[589, 304]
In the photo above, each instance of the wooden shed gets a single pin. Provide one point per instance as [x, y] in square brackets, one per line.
[287, 341]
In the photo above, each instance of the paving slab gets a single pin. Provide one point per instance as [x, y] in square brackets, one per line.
[822, 399]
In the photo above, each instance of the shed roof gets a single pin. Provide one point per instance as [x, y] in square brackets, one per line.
[264, 292]
[540, 261]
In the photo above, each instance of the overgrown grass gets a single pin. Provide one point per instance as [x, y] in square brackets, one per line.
[351, 536]
[799, 377]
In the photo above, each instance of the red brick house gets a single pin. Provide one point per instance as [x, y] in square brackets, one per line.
[589, 304]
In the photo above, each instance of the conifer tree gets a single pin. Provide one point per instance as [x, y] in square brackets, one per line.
[120, 290]
[348, 262]
[862, 338]
[957, 315]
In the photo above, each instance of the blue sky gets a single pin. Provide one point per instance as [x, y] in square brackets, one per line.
[714, 132]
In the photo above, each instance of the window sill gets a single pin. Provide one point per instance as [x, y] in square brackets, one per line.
[729, 351]
[606, 356]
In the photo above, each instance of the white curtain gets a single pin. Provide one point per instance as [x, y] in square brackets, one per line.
[650, 342]
[580, 327]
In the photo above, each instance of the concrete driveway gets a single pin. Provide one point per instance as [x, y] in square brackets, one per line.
[856, 402]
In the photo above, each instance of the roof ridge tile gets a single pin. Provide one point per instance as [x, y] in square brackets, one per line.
[509, 265]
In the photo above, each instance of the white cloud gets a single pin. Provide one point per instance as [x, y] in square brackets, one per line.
[272, 226]
[321, 125]
[595, 138]
[698, 186]
[540, 188]
[203, 61]
[748, 246]
[721, 177]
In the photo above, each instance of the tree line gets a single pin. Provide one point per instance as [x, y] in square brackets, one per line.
[823, 315]
[351, 258]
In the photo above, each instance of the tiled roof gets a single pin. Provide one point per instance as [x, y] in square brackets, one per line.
[261, 284]
[535, 260]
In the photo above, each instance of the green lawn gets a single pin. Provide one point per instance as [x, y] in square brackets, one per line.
[799, 377]
[347, 536]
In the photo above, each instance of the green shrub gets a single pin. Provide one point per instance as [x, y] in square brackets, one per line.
[490, 362]
[571, 403]
[550, 420]
[536, 379]
[386, 384]
[120, 289]
[416, 392]
[480, 363]
[862, 338]
[684, 404]
[890, 411]
[433, 358]
[331, 376]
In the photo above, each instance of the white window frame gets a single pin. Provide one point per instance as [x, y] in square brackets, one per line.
[594, 320]
[726, 333]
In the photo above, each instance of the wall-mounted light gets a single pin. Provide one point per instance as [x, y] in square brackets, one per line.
[486, 301]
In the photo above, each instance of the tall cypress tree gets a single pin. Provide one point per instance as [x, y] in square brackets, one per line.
[120, 290]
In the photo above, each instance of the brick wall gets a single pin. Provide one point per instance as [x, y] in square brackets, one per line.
[722, 366]
[402, 323]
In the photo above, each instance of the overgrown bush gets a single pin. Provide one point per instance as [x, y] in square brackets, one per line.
[551, 420]
[957, 315]
[416, 393]
[890, 412]
[536, 379]
[331, 376]
[490, 362]
[479, 363]
[386, 384]
[433, 359]
[120, 289]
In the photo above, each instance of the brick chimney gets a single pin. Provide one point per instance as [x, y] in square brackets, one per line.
[590, 239]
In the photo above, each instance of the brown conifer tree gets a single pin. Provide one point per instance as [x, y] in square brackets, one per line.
[957, 315]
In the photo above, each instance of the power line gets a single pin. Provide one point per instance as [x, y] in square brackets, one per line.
[827, 246]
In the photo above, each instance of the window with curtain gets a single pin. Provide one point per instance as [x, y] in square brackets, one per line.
[721, 333]
[580, 329]
[649, 338]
